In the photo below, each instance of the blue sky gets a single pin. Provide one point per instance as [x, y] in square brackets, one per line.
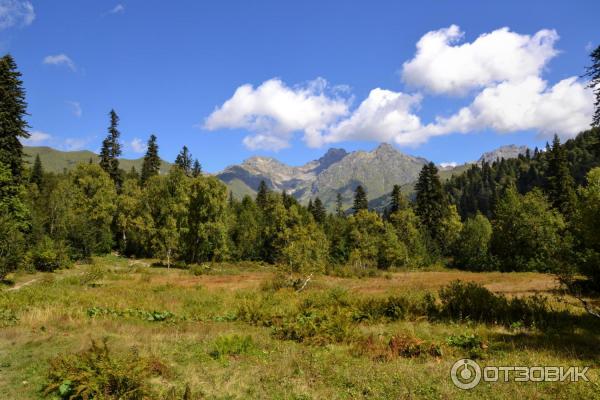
[322, 74]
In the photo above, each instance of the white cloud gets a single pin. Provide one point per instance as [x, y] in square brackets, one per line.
[36, 138]
[60, 59]
[274, 111]
[137, 145]
[15, 13]
[442, 65]
[118, 9]
[448, 165]
[383, 116]
[501, 72]
[565, 109]
[75, 108]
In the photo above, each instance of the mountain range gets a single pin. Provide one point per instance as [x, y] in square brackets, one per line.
[337, 171]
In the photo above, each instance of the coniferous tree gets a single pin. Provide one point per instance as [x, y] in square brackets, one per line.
[261, 195]
[184, 161]
[593, 72]
[431, 201]
[360, 199]
[560, 185]
[196, 169]
[13, 109]
[310, 206]
[339, 208]
[111, 150]
[37, 171]
[319, 213]
[398, 202]
[151, 165]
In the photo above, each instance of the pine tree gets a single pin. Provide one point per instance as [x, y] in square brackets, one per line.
[151, 165]
[593, 72]
[37, 171]
[184, 161]
[398, 202]
[339, 207]
[319, 213]
[560, 185]
[310, 208]
[261, 195]
[111, 150]
[196, 169]
[360, 199]
[13, 109]
[431, 202]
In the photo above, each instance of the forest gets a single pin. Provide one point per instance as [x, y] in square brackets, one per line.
[538, 212]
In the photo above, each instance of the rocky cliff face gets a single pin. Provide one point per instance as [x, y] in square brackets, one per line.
[506, 152]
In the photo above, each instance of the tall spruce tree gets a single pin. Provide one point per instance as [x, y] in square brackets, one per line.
[360, 199]
[196, 169]
[431, 201]
[261, 195]
[560, 183]
[339, 207]
[37, 171]
[13, 109]
[111, 150]
[319, 213]
[184, 161]
[593, 72]
[397, 202]
[151, 165]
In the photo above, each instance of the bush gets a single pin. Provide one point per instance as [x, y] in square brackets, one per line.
[232, 345]
[316, 327]
[11, 246]
[48, 255]
[392, 308]
[470, 301]
[399, 345]
[97, 374]
[470, 342]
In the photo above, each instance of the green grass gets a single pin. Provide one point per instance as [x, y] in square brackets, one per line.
[228, 335]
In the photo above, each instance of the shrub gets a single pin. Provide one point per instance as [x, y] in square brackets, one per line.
[392, 308]
[317, 327]
[470, 342]
[199, 269]
[93, 274]
[48, 255]
[470, 301]
[7, 317]
[399, 345]
[232, 345]
[96, 373]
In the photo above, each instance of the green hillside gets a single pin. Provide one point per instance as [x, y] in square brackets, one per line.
[57, 161]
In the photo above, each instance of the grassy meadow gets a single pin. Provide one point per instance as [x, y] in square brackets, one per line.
[237, 331]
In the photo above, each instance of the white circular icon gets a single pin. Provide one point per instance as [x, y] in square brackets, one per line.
[465, 374]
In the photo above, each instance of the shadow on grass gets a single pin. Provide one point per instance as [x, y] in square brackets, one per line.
[7, 282]
[580, 345]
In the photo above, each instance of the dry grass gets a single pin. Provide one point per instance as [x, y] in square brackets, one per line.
[53, 320]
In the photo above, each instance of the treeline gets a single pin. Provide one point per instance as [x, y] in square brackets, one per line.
[538, 212]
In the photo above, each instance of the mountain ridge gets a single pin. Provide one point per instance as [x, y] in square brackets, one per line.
[336, 171]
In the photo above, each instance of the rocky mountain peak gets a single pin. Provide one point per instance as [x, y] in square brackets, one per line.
[506, 152]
